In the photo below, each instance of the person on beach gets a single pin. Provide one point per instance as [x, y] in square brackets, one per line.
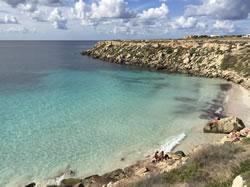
[216, 119]
[166, 157]
[234, 136]
[162, 156]
[156, 157]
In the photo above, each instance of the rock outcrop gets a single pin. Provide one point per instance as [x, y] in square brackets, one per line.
[206, 58]
[225, 125]
[238, 182]
[180, 153]
[33, 184]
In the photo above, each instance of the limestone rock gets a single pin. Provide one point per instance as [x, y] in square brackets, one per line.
[97, 180]
[225, 139]
[186, 60]
[225, 125]
[31, 185]
[238, 182]
[70, 182]
[142, 171]
[180, 153]
[194, 57]
[174, 156]
[244, 132]
[116, 174]
[79, 185]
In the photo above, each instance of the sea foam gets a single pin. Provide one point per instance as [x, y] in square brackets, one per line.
[172, 142]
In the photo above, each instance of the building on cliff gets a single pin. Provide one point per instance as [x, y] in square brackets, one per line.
[214, 36]
[187, 36]
[246, 36]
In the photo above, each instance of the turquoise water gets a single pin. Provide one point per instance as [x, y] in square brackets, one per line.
[60, 110]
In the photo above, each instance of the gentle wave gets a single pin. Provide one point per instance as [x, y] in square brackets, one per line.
[219, 110]
[172, 142]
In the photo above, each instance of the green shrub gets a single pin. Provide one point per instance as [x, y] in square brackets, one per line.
[192, 51]
[215, 154]
[169, 50]
[156, 180]
[228, 62]
[188, 173]
[244, 167]
[246, 141]
[244, 170]
[219, 184]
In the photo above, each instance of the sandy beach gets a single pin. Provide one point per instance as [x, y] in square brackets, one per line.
[239, 103]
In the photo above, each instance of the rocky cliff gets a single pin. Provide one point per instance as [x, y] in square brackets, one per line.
[214, 58]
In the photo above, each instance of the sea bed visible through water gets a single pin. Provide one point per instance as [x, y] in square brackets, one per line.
[62, 111]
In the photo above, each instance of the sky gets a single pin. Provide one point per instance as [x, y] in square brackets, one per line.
[121, 19]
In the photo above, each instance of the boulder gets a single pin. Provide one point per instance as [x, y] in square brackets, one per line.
[238, 182]
[96, 180]
[31, 185]
[244, 132]
[180, 153]
[70, 182]
[174, 156]
[142, 171]
[116, 174]
[79, 185]
[225, 125]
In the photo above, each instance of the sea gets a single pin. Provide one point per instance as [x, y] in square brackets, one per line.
[62, 111]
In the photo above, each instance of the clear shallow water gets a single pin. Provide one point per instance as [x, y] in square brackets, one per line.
[60, 110]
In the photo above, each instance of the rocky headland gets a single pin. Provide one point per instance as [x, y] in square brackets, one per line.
[227, 59]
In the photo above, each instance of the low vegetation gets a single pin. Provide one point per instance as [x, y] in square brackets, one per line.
[228, 62]
[244, 170]
[246, 141]
[239, 63]
[210, 166]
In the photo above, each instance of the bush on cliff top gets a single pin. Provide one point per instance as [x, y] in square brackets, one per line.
[187, 173]
[246, 141]
[208, 167]
[215, 154]
[244, 170]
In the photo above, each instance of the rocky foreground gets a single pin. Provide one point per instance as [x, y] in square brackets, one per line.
[225, 163]
[228, 59]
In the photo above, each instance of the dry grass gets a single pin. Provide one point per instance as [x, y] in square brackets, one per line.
[246, 141]
[215, 154]
[197, 171]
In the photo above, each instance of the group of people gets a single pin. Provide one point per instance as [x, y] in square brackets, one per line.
[235, 135]
[159, 157]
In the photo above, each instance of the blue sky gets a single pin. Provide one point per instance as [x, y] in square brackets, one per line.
[121, 19]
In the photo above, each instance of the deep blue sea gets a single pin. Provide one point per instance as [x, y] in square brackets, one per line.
[62, 111]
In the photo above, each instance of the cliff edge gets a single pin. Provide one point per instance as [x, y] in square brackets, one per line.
[228, 59]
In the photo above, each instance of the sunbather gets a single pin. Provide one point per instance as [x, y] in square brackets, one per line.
[166, 157]
[156, 157]
[162, 156]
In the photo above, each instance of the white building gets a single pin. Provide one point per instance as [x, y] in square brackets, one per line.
[214, 36]
[247, 36]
